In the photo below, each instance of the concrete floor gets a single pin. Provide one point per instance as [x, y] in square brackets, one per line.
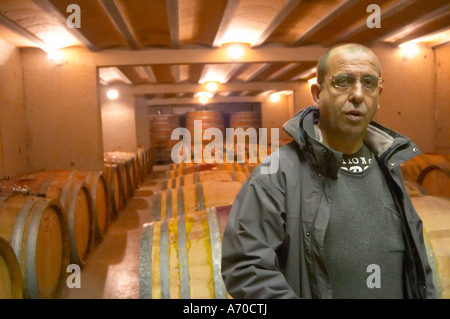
[112, 268]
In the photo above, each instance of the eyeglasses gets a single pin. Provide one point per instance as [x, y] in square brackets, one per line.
[345, 81]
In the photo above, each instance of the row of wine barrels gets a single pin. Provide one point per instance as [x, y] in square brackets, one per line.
[185, 199]
[413, 167]
[75, 198]
[127, 163]
[180, 257]
[176, 170]
[144, 161]
[215, 175]
[435, 214]
[10, 275]
[36, 229]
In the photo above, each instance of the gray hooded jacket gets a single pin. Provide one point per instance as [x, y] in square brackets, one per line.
[273, 245]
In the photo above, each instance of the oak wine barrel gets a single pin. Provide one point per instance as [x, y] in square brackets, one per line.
[161, 127]
[100, 198]
[36, 229]
[435, 179]
[216, 175]
[127, 164]
[414, 189]
[435, 214]
[180, 258]
[75, 198]
[411, 169]
[10, 276]
[116, 189]
[210, 119]
[183, 200]
[245, 120]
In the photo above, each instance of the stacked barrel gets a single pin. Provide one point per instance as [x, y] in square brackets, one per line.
[427, 179]
[181, 248]
[50, 219]
[124, 173]
[161, 127]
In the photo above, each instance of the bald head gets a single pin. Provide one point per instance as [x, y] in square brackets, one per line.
[349, 48]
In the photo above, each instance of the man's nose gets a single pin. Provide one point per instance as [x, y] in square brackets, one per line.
[356, 94]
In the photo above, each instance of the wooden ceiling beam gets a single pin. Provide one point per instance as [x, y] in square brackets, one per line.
[386, 12]
[204, 56]
[11, 25]
[339, 9]
[116, 17]
[405, 30]
[61, 20]
[228, 15]
[174, 27]
[233, 86]
[282, 14]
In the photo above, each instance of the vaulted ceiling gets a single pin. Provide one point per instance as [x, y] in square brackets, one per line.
[168, 48]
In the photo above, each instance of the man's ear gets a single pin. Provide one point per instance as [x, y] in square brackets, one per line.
[380, 90]
[315, 93]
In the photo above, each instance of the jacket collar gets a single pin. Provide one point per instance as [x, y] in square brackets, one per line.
[387, 145]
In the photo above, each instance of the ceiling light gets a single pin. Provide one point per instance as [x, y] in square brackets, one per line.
[312, 81]
[112, 94]
[203, 99]
[212, 86]
[274, 97]
[56, 56]
[409, 48]
[236, 50]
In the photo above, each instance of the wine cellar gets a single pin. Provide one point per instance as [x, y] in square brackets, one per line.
[110, 187]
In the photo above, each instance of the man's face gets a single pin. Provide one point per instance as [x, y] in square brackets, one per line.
[347, 111]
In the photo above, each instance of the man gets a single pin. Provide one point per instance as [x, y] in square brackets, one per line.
[335, 220]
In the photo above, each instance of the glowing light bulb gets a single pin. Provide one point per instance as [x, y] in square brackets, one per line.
[409, 49]
[112, 94]
[212, 86]
[274, 97]
[235, 51]
[56, 56]
[312, 81]
[203, 99]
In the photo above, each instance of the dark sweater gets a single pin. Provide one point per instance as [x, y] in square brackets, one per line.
[363, 243]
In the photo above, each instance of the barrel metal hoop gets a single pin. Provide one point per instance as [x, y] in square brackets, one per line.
[180, 201]
[78, 187]
[157, 206]
[200, 197]
[44, 186]
[168, 203]
[196, 177]
[216, 254]
[31, 245]
[183, 259]
[145, 262]
[164, 260]
[19, 227]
